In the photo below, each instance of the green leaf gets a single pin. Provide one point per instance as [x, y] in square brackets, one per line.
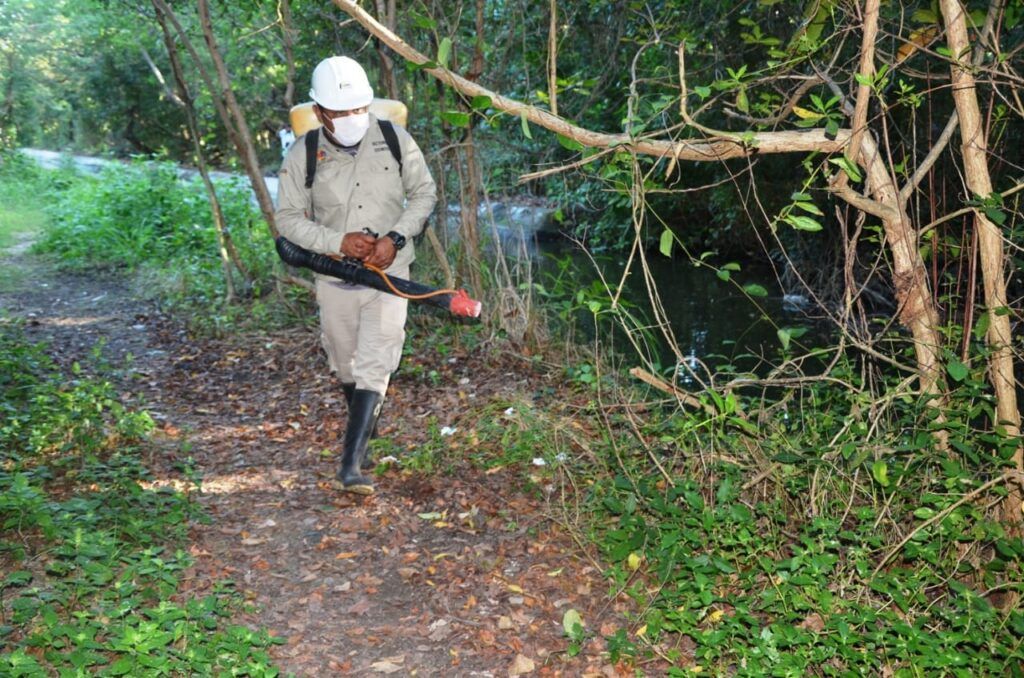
[456, 118]
[665, 244]
[423, 21]
[810, 207]
[995, 215]
[481, 102]
[443, 51]
[121, 666]
[800, 196]
[957, 369]
[924, 513]
[802, 223]
[880, 472]
[723, 274]
[525, 125]
[925, 16]
[731, 266]
[849, 167]
[572, 622]
[981, 327]
[702, 91]
[570, 144]
[784, 337]
[755, 290]
[741, 100]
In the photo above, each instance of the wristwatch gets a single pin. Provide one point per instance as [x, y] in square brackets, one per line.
[396, 238]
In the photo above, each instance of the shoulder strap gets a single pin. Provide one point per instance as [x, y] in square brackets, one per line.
[312, 143]
[388, 130]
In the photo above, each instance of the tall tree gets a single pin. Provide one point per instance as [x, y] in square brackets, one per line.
[974, 150]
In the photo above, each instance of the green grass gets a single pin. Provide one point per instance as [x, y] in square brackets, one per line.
[21, 217]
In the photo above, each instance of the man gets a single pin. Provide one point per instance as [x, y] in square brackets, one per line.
[360, 191]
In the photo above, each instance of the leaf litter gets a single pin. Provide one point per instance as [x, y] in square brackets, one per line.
[426, 577]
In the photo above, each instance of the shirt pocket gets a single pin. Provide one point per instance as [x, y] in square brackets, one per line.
[384, 180]
[330, 190]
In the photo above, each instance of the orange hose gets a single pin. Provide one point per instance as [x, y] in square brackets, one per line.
[398, 293]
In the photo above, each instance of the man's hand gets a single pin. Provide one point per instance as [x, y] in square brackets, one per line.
[359, 245]
[383, 253]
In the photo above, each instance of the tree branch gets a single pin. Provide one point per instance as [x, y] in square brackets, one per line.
[929, 160]
[793, 141]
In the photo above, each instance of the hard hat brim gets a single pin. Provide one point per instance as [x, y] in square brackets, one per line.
[348, 102]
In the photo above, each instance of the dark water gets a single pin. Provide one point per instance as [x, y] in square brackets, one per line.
[712, 320]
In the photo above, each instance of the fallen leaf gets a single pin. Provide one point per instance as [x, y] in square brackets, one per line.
[813, 622]
[504, 623]
[570, 620]
[346, 554]
[360, 607]
[521, 665]
[385, 666]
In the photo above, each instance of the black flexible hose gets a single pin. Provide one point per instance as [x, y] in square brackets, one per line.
[354, 272]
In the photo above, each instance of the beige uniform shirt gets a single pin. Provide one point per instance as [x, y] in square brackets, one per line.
[351, 193]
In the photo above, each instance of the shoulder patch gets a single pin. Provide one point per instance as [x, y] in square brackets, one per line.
[321, 155]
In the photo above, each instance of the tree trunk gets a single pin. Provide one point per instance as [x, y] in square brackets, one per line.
[975, 162]
[553, 57]
[284, 13]
[469, 198]
[7, 116]
[226, 246]
[386, 14]
[246, 148]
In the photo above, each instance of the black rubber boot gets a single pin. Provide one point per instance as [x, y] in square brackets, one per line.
[367, 462]
[362, 415]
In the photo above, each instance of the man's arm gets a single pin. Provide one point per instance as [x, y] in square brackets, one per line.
[294, 203]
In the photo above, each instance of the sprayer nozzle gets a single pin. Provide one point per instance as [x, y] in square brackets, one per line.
[462, 305]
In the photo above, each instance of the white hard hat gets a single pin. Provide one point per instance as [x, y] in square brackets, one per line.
[340, 84]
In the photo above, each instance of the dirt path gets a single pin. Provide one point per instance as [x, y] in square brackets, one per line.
[454, 573]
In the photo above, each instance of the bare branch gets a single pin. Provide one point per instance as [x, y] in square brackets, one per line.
[793, 141]
[929, 160]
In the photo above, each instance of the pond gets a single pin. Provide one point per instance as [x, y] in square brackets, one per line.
[711, 317]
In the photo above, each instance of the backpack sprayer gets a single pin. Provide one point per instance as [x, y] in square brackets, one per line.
[457, 302]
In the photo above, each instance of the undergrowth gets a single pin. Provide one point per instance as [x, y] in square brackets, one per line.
[144, 220]
[768, 542]
[91, 556]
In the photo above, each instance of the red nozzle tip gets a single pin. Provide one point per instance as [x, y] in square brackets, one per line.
[462, 305]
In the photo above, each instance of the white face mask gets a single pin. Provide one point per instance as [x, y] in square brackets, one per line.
[349, 130]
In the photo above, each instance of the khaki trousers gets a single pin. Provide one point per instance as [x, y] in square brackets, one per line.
[362, 330]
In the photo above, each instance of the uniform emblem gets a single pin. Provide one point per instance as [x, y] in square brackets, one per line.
[321, 155]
